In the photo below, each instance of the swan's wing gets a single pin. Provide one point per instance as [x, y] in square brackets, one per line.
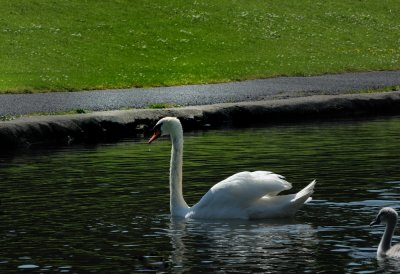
[281, 206]
[242, 189]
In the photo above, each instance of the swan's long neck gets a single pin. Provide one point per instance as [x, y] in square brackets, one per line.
[178, 205]
[386, 241]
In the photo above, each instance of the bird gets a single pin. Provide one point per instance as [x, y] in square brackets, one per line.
[244, 195]
[388, 216]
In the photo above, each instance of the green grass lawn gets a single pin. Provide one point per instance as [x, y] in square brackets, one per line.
[49, 45]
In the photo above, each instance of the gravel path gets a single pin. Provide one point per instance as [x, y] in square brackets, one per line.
[252, 90]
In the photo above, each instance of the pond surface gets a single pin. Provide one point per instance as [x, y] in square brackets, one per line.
[105, 209]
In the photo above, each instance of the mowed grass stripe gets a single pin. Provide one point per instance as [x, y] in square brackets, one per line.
[67, 45]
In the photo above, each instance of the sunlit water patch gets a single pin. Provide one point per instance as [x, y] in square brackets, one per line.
[105, 208]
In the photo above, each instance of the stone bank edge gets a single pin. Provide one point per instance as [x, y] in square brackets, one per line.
[114, 125]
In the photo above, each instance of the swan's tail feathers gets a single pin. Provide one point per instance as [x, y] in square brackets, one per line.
[304, 195]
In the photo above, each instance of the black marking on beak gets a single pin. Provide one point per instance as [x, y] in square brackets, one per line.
[156, 133]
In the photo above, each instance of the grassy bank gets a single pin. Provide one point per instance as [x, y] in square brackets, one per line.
[73, 45]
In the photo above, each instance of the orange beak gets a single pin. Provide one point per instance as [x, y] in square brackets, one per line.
[156, 134]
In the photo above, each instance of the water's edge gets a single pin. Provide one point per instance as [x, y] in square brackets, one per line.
[114, 125]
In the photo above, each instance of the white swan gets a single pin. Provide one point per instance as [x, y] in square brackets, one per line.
[388, 216]
[245, 195]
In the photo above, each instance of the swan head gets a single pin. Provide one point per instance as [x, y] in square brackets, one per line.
[166, 126]
[385, 215]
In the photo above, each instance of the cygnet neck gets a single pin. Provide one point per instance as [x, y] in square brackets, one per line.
[386, 241]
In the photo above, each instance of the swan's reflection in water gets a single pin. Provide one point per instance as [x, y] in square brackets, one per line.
[236, 244]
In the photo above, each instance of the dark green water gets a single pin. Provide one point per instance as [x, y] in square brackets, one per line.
[105, 209]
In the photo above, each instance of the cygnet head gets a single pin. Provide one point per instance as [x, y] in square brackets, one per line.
[165, 126]
[385, 215]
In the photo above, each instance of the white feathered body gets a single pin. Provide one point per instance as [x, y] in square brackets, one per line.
[250, 195]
